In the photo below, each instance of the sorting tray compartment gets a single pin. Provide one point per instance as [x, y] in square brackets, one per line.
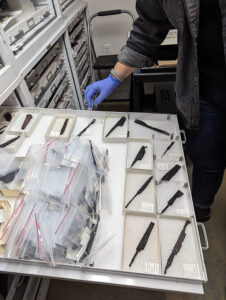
[16, 124]
[133, 147]
[138, 131]
[144, 202]
[120, 133]
[182, 205]
[147, 261]
[82, 123]
[187, 263]
[7, 136]
[53, 131]
[172, 154]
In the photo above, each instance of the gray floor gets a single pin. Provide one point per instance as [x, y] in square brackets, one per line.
[215, 259]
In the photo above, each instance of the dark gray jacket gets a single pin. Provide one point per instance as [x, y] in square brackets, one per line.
[155, 19]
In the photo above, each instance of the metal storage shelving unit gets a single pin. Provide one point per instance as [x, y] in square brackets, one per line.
[50, 82]
[9, 78]
[76, 41]
[32, 17]
[21, 56]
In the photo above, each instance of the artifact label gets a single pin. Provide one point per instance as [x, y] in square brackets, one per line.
[151, 268]
[182, 212]
[191, 271]
[145, 166]
[147, 207]
[72, 254]
[2, 218]
[163, 166]
[174, 157]
[54, 133]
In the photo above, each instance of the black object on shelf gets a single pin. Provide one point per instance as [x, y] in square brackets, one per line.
[139, 156]
[143, 242]
[120, 123]
[171, 173]
[84, 130]
[177, 246]
[177, 195]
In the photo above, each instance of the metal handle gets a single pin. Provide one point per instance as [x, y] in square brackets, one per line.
[109, 12]
[183, 137]
[206, 247]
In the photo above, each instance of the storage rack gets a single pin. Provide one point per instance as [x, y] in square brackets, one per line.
[50, 82]
[20, 57]
[64, 4]
[76, 39]
[32, 17]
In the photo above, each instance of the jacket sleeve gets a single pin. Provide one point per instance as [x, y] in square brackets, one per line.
[149, 31]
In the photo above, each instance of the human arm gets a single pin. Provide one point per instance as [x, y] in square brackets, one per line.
[149, 30]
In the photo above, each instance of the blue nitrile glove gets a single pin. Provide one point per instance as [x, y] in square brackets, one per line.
[102, 89]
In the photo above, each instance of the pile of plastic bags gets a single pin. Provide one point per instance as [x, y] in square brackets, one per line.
[57, 212]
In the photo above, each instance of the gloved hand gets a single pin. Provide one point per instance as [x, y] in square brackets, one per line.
[102, 89]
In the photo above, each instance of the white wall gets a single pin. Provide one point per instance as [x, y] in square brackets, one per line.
[113, 29]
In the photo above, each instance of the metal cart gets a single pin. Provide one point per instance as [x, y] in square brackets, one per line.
[102, 62]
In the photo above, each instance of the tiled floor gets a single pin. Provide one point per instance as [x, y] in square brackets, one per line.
[215, 259]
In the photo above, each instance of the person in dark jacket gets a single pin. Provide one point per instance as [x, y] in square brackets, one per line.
[200, 85]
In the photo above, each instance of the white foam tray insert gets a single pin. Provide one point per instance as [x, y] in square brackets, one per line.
[134, 145]
[16, 124]
[147, 261]
[144, 202]
[120, 133]
[53, 131]
[162, 168]
[187, 261]
[173, 154]
[182, 205]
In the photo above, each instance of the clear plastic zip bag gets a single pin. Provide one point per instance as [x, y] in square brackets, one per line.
[50, 154]
[78, 151]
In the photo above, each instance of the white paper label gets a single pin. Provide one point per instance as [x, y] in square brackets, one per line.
[151, 268]
[53, 206]
[121, 136]
[2, 217]
[144, 166]
[72, 254]
[147, 207]
[191, 271]
[163, 166]
[182, 212]
[174, 157]
[54, 133]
